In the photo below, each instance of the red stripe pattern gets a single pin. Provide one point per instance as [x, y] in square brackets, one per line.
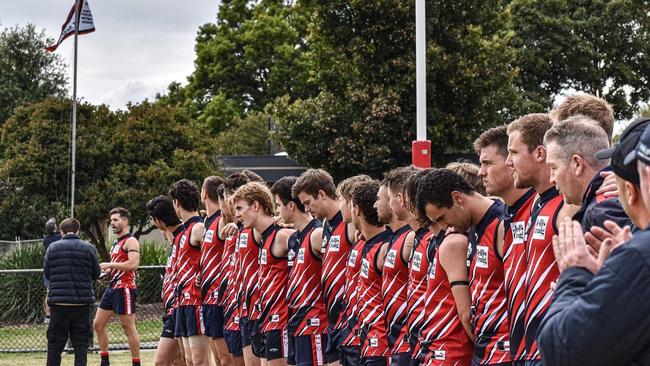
[213, 282]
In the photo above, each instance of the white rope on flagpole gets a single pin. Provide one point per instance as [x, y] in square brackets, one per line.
[74, 107]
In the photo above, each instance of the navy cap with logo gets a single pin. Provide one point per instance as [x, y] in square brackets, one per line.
[624, 154]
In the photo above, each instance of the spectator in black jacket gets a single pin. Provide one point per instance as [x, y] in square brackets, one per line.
[599, 315]
[71, 265]
[51, 235]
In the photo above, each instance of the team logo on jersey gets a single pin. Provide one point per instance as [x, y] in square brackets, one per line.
[365, 268]
[390, 258]
[275, 318]
[313, 322]
[518, 230]
[243, 240]
[481, 256]
[352, 259]
[539, 232]
[301, 255]
[182, 242]
[208, 236]
[432, 268]
[263, 256]
[374, 342]
[290, 256]
[440, 355]
[335, 243]
[416, 262]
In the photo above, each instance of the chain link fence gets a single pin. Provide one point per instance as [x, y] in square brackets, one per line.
[22, 315]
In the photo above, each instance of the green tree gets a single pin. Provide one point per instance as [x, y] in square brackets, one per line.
[247, 136]
[596, 46]
[29, 72]
[123, 159]
[363, 54]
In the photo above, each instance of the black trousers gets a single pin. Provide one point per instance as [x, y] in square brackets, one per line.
[68, 321]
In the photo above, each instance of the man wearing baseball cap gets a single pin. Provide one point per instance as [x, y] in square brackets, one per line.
[583, 325]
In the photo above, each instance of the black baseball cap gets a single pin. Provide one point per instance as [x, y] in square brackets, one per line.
[623, 154]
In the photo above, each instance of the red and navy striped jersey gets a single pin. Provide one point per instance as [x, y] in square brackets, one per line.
[542, 269]
[489, 316]
[443, 340]
[188, 267]
[167, 293]
[230, 304]
[307, 313]
[417, 286]
[118, 278]
[249, 252]
[514, 270]
[372, 324]
[213, 282]
[336, 247]
[394, 291]
[350, 336]
[273, 280]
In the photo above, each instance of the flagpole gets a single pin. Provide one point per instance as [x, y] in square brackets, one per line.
[74, 107]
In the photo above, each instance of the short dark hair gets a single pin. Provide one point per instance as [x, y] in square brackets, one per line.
[211, 185]
[252, 176]
[497, 136]
[314, 180]
[123, 212]
[186, 193]
[234, 181]
[396, 178]
[70, 225]
[532, 128]
[436, 188]
[282, 189]
[364, 195]
[162, 209]
[50, 226]
[411, 190]
[345, 187]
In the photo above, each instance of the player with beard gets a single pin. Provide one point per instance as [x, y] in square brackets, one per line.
[190, 328]
[162, 216]
[453, 202]
[492, 148]
[307, 326]
[372, 325]
[527, 158]
[350, 349]
[316, 191]
[119, 297]
[254, 207]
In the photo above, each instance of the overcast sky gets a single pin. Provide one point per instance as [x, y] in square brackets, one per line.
[139, 46]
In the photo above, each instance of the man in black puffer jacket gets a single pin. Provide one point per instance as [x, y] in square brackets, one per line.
[71, 265]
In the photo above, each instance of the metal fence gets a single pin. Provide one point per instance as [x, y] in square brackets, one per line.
[22, 316]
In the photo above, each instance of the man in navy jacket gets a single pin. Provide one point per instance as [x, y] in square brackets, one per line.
[599, 315]
[71, 265]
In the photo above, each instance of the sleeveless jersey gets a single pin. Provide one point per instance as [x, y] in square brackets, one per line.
[394, 291]
[213, 282]
[351, 334]
[273, 279]
[488, 313]
[335, 249]
[249, 252]
[542, 268]
[443, 339]
[372, 325]
[187, 267]
[514, 270]
[307, 313]
[417, 287]
[168, 286]
[117, 278]
[230, 304]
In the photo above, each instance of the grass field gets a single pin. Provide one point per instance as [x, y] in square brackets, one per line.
[33, 337]
[118, 358]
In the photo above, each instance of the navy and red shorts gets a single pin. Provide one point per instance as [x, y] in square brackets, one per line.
[334, 339]
[374, 361]
[275, 345]
[251, 336]
[308, 350]
[233, 341]
[349, 355]
[119, 300]
[169, 326]
[189, 321]
[213, 320]
[401, 359]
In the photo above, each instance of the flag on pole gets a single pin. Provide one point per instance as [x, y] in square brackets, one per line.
[86, 24]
